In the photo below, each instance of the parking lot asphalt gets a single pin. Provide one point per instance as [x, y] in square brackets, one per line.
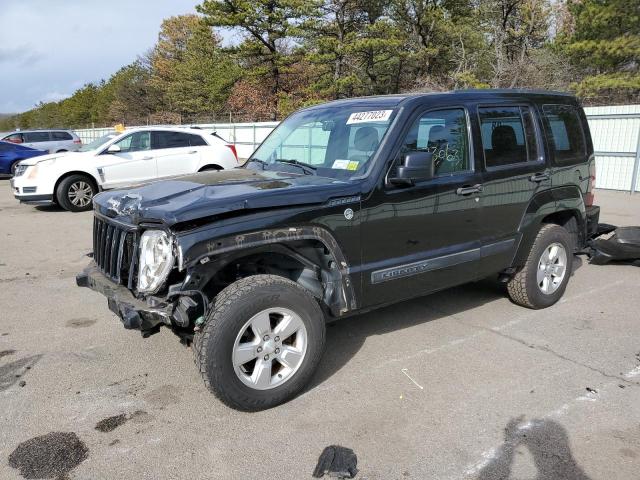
[462, 384]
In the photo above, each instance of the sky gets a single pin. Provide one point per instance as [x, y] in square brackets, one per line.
[49, 48]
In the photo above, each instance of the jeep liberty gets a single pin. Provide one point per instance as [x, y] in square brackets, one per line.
[345, 207]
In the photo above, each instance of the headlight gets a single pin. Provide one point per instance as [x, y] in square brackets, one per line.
[20, 169]
[156, 260]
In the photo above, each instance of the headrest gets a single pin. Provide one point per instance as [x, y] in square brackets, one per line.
[366, 139]
[437, 134]
[503, 138]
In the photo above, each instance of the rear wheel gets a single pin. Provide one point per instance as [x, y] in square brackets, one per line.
[544, 277]
[261, 343]
[75, 193]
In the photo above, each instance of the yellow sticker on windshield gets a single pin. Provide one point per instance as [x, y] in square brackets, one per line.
[353, 165]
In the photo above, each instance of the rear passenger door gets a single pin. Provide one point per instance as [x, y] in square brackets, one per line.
[514, 170]
[177, 153]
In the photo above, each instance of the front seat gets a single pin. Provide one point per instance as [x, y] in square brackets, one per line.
[366, 141]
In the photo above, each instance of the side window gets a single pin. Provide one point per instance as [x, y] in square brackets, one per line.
[444, 134]
[14, 138]
[196, 141]
[34, 137]
[170, 140]
[135, 142]
[508, 135]
[59, 136]
[564, 131]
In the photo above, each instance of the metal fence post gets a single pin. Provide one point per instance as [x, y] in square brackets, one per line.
[636, 165]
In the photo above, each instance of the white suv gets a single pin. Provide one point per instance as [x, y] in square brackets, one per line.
[72, 179]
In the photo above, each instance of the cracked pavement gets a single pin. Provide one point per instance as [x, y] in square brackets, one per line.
[506, 392]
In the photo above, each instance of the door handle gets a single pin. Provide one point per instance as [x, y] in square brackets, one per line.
[469, 190]
[147, 158]
[539, 177]
[192, 151]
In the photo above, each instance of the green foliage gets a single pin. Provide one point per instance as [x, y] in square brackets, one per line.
[289, 54]
[603, 42]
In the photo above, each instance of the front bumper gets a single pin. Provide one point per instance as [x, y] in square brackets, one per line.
[30, 198]
[35, 199]
[134, 313]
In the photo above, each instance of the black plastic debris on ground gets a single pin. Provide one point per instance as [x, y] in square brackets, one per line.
[622, 244]
[337, 462]
[53, 455]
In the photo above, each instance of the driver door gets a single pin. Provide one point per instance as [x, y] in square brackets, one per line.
[425, 237]
[134, 162]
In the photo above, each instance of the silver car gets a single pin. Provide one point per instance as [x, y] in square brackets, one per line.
[53, 141]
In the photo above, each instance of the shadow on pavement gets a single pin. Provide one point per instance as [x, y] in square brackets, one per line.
[548, 443]
[345, 337]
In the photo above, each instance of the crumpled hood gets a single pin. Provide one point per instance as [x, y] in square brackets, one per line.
[210, 193]
[59, 157]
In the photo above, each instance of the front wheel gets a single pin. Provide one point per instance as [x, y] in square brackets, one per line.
[544, 277]
[75, 193]
[261, 343]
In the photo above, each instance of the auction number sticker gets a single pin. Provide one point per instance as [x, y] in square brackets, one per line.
[372, 116]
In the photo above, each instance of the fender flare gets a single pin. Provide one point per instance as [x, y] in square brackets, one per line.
[567, 198]
[235, 246]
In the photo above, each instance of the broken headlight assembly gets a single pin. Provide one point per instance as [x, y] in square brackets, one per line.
[156, 260]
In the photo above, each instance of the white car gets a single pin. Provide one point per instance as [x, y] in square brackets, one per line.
[72, 179]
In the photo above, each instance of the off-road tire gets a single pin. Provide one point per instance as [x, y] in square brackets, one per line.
[523, 287]
[232, 307]
[62, 193]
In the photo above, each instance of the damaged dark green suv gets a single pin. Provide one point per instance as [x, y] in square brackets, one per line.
[346, 207]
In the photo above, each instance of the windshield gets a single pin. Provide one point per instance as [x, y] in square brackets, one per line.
[333, 141]
[97, 143]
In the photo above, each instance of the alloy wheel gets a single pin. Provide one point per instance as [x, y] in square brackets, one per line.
[270, 348]
[80, 193]
[552, 268]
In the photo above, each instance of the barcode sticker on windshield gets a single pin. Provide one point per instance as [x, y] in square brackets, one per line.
[372, 116]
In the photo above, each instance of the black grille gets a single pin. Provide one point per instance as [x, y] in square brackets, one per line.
[114, 251]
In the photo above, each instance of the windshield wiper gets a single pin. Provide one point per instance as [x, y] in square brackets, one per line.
[261, 162]
[308, 169]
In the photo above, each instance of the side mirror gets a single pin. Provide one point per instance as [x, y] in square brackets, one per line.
[113, 148]
[416, 166]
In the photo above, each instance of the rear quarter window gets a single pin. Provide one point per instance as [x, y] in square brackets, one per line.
[564, 134]
[196, 141]
[61, 136]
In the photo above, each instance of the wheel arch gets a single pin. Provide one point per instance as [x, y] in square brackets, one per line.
[75, 172]
[311, 258]
[563, 206]
[210, 166]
